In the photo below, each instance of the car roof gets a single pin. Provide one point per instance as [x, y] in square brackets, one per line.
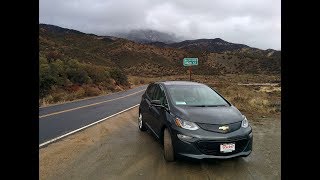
[179, 83]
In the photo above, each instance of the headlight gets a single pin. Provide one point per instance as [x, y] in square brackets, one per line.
[245, 122]
[186, 124]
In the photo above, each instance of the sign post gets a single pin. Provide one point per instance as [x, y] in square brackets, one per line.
[190, 62]
[190, 72]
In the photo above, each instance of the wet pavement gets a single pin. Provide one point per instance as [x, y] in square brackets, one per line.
[116, 149]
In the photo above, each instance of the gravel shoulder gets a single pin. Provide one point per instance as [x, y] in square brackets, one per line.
[116, 149]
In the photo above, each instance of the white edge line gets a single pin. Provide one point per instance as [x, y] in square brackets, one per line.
[84, 127]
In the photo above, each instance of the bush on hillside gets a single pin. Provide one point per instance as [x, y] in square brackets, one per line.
[98, 74]
[64, 74]
[119, 76]
[46, 80]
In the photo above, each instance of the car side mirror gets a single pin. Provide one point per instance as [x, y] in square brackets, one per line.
[156, 102]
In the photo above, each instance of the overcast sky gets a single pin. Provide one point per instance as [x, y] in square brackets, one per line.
[256, 23]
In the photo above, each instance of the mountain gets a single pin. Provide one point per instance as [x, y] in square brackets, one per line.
[211, 45]
[216, 56]
[216, 45]
[165, 40]
[147, 36]
[58, 30]
[134, 58]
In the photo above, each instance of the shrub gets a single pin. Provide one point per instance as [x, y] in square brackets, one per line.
[59, 96]
[57, 69]
[69, 79]
[111, 87]
[142, 81]
[53, 55]
[91, 91]
[46, 80]
[78, 76]
[76, 73]
[119, 76]
[96, 73]
[78, 94]
[136, 81]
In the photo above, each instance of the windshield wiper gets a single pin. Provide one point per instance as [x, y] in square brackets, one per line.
[207, 105]
[216, 105]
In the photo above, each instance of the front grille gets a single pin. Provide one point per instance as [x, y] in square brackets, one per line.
[213, 147]
[215, 127]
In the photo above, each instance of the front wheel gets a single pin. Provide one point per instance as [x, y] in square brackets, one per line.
[141, 125]
[167, 146]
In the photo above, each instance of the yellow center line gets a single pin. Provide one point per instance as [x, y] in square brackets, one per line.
[80, 107]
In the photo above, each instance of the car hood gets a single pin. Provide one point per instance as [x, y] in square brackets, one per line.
[209, 115]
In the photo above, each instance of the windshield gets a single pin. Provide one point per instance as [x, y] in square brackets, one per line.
[195, 95]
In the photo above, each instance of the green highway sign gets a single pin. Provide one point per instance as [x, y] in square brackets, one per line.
[190, 61]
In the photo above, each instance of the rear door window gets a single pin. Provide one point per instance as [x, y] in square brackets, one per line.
[156, 93]
[150, 91]
[162, 97]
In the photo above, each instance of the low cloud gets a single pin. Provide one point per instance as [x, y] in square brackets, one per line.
[256, 23]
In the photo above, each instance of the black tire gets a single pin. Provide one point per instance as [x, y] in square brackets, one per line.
[141, 124]
[167, 146]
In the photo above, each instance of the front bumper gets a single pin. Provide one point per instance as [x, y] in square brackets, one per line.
[207, 145]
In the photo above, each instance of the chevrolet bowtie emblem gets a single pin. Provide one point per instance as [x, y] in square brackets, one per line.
[224, 128]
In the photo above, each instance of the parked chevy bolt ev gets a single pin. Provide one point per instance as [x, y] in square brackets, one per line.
[193, 120]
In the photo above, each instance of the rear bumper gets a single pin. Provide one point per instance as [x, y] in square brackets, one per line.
[204, 148]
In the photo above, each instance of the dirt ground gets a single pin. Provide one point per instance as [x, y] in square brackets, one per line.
[116, 149]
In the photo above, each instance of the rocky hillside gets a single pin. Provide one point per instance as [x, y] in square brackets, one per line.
[216, 56]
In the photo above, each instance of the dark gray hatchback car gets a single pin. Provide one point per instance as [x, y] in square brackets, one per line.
[193, 120]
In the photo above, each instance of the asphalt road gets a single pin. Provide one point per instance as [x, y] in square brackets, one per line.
[57, 120]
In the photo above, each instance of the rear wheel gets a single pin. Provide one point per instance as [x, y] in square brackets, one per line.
[141, 125]
[167, 146]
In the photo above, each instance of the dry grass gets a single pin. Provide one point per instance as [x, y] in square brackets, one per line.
[62, 95]
[250, 100]
[136, 80]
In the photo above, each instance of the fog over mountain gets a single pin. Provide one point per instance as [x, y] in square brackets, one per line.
[256, 23]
